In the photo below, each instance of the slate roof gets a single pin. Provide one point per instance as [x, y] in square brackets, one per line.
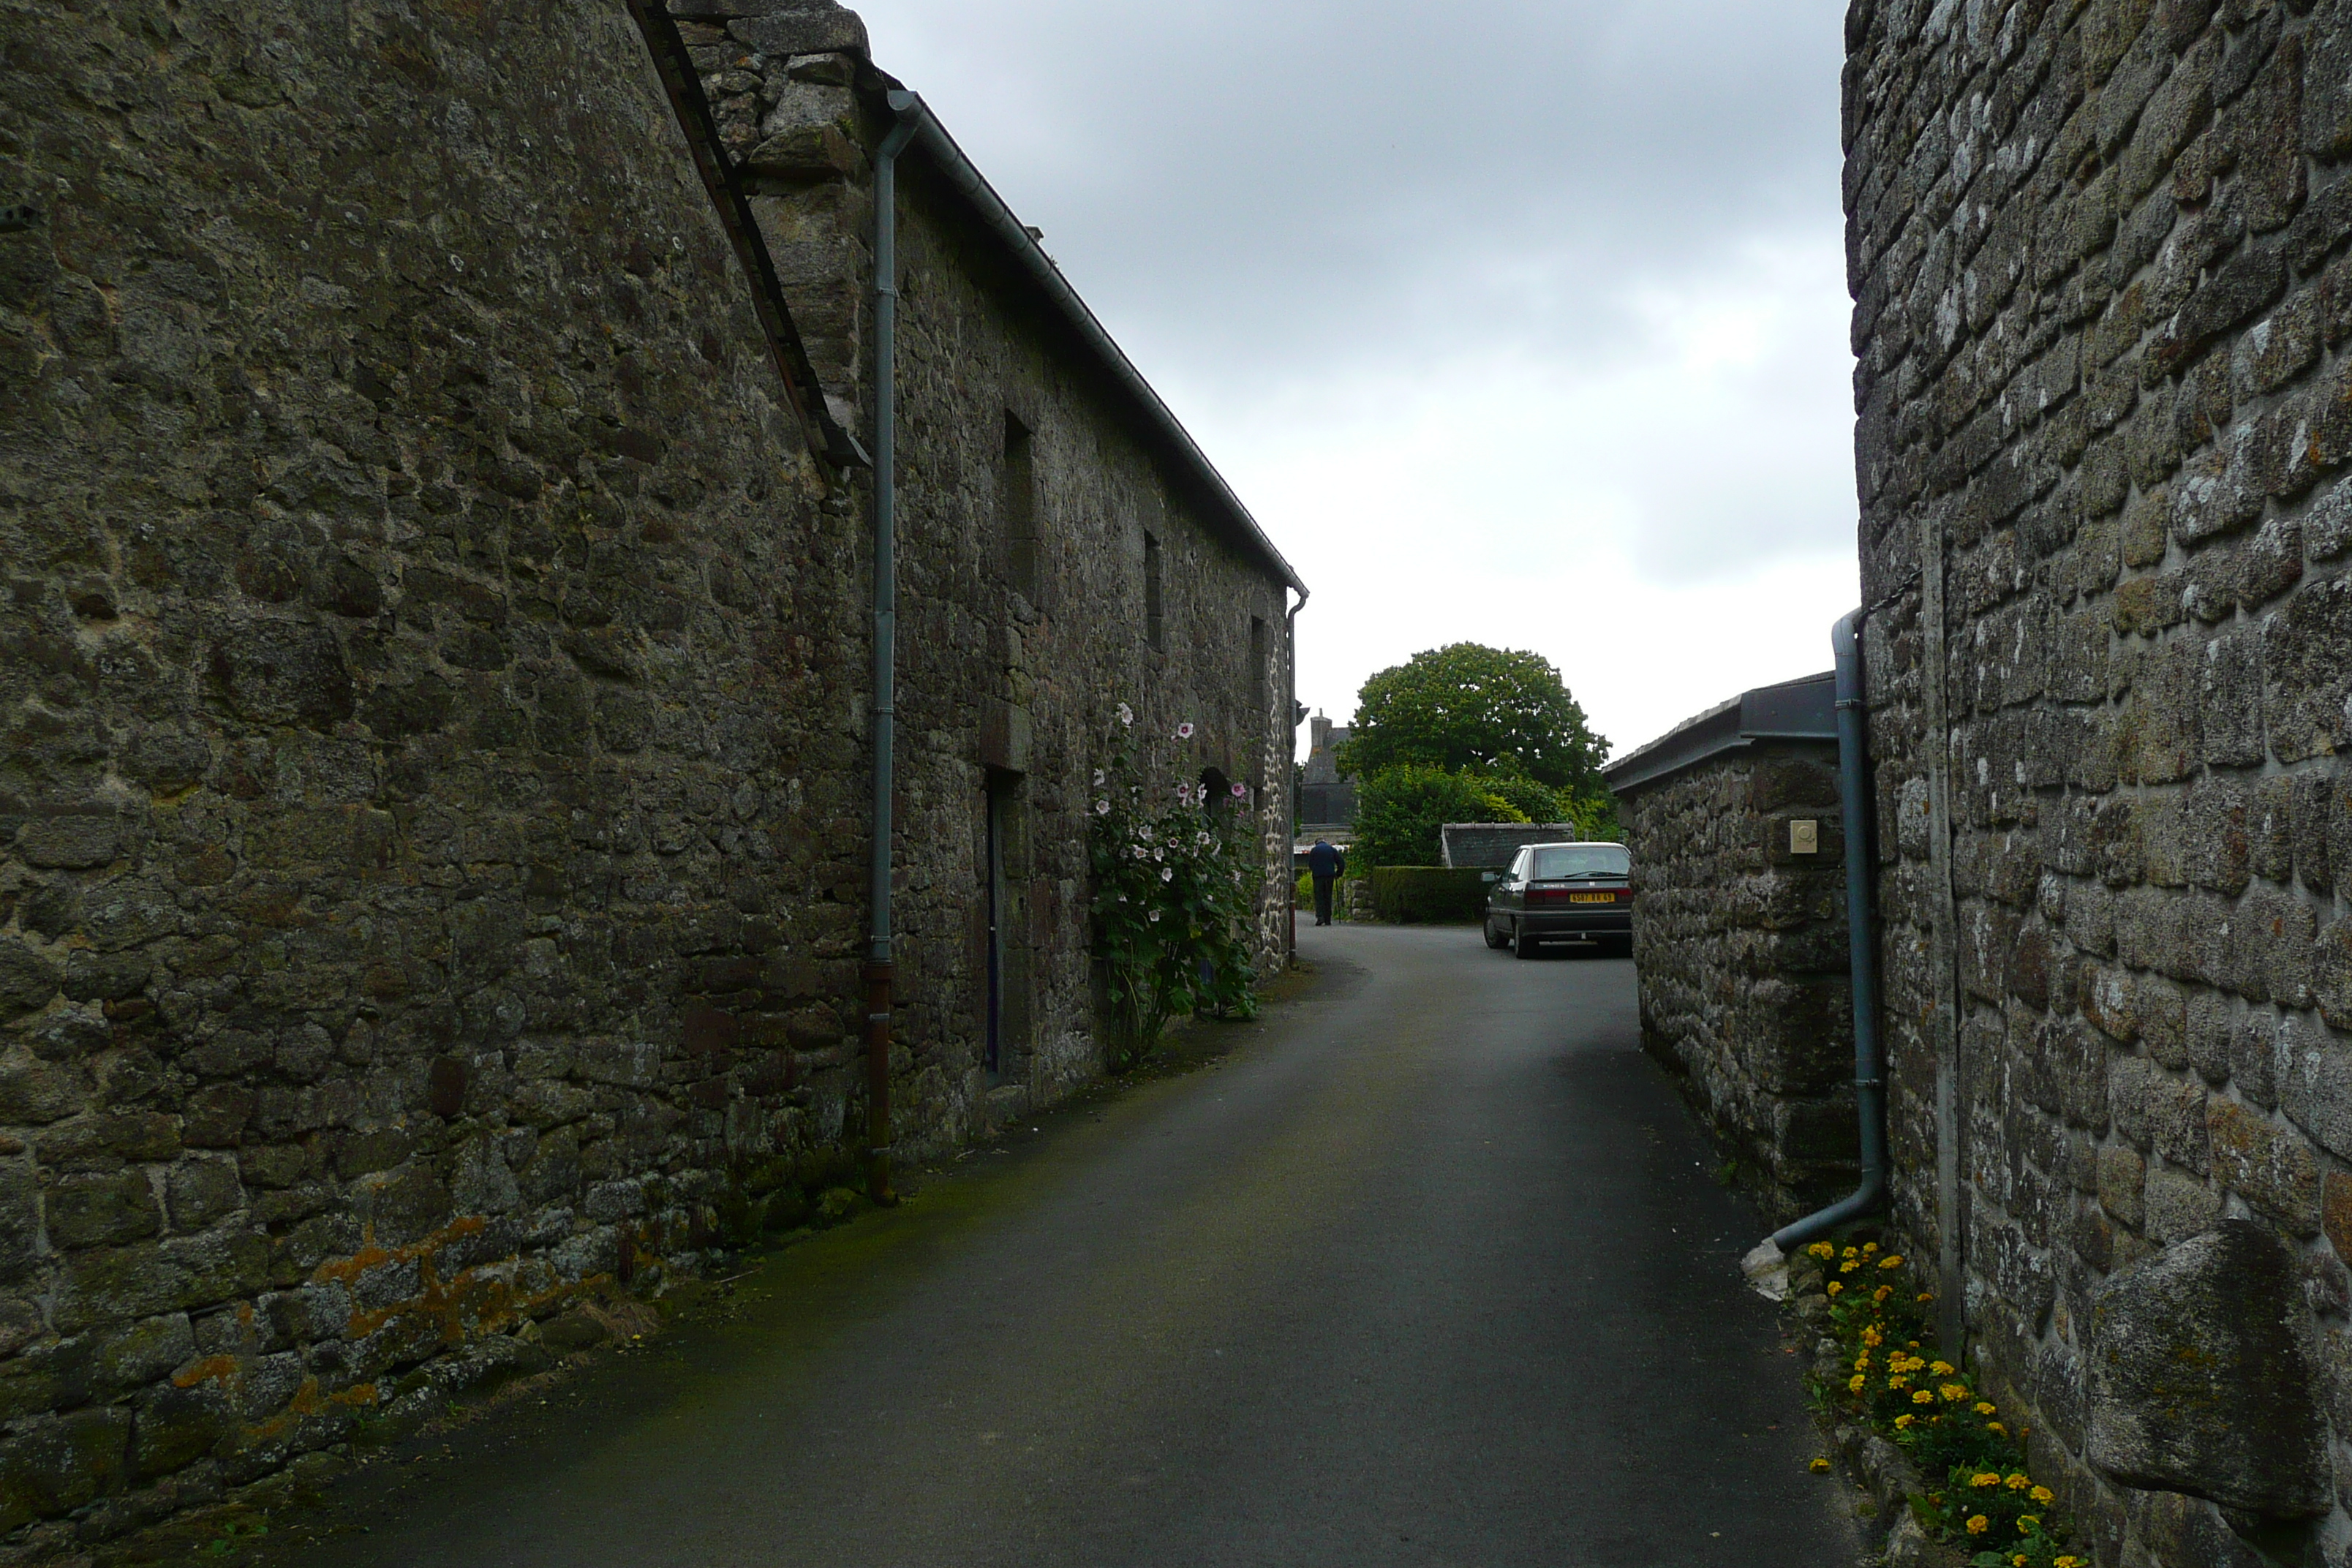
[1489, 845]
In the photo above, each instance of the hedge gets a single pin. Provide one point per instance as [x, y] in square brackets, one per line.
[1429, 895]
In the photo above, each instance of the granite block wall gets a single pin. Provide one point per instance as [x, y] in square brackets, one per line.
[1027, 494]
[1739, 946]
[433, 723]
[2098, 257]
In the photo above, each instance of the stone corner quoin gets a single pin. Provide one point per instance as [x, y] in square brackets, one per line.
[433, 693]
[2099, 258]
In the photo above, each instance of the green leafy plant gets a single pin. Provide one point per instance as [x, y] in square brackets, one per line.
[1986, 1499]
[1175, 890]
[1400, 810]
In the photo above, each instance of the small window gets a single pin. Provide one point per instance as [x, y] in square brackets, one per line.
[1153, 628]
[1020, 507]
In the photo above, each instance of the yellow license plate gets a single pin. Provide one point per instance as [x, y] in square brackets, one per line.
[1592, 898]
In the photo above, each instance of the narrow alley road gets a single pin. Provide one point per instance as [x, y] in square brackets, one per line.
[1431, 1270]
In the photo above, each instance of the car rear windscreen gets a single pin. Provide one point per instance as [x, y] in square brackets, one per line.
[1581, 860]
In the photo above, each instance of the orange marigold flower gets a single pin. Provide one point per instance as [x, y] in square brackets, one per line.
[2018, 1481]
[1923, 1397]
[1985, 1479]
[1978, 1524]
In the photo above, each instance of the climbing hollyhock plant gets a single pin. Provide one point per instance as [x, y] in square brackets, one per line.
[1175, 887]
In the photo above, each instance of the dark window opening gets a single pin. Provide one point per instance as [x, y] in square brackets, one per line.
[1003, 859]
[1258, 672]
[1021, 551]
[1215, 786]
[1153, 629]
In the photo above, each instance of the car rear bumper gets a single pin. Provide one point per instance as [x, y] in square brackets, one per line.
[1595, 922]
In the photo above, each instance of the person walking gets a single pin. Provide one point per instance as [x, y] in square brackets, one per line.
[1327, 865]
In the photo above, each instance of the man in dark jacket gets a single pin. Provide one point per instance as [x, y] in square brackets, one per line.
[1327, 866]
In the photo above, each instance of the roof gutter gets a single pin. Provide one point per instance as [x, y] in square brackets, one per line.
[932, 139]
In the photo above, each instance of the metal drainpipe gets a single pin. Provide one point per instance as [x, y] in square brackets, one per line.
[880, 971]
[1290, 767]
[1869, 1065]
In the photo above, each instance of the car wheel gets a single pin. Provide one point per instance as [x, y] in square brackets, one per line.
[1494, 937]
[1525, 944]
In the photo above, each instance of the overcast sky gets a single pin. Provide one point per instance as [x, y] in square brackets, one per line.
[1518, 322]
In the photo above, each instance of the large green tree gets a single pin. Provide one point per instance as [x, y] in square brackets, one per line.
[1491, 710]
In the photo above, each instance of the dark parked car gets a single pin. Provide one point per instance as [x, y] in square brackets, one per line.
[1563, 890]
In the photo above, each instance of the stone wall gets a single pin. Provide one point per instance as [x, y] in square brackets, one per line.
[1024, 622]
[2101, 293]
[1741, 948]
[433, 723]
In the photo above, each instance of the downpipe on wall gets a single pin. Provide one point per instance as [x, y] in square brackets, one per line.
[1290, 771]
[1765, 1267]
[881, 971]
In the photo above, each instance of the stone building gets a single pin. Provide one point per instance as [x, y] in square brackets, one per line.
[2098, 254]
[1734, 824]
[1327, 797]
[435, 696]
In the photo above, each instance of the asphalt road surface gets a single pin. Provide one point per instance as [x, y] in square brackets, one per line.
[1430, 1269]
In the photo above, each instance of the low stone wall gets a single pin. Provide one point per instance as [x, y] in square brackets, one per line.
[1741, 944]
